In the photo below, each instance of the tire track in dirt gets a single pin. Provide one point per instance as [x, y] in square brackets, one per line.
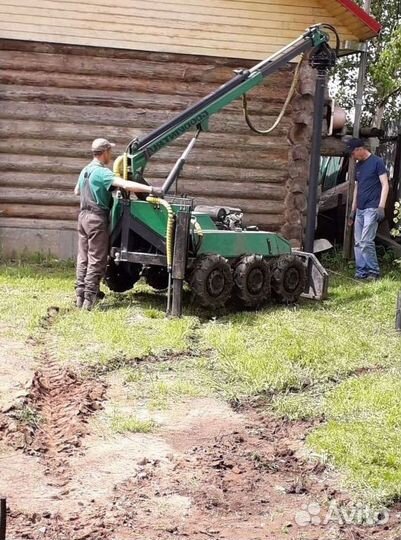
[51, 421]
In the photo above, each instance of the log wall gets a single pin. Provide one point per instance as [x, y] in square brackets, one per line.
[56, 99]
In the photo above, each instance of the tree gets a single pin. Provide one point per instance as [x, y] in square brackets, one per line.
[382, 100]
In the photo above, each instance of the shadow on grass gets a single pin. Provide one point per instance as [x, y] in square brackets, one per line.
[148, 299]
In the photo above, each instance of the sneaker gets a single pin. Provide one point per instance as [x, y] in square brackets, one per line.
[79, 301]
[373, 277]
[361, 278]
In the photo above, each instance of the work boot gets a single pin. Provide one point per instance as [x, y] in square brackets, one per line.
[79, 301]
[89, 302]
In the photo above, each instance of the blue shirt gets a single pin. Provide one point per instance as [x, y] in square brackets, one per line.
[368, 174]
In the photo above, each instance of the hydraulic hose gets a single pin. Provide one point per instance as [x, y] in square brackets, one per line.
[199, 231]
[120, 166]
[169, 229]
[283, 110]
[197, 227]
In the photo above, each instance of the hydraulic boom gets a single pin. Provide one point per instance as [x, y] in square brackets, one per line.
[139, 151]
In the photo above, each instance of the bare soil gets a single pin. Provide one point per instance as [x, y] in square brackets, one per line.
[208, 471]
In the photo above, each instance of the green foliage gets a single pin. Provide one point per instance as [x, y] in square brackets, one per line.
[386, 72]
[384, 67]
[29, 417]
[396, 230]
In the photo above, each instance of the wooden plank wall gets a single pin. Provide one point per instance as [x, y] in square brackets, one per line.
[225, 28]
[55, 99]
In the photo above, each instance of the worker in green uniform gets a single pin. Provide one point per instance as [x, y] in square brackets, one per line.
[94, 186]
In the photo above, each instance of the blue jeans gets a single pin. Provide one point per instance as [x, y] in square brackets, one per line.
[365, 250]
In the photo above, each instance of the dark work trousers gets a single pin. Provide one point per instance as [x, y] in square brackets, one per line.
[93, 245]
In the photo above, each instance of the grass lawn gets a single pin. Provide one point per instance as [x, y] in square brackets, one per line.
[339, 361]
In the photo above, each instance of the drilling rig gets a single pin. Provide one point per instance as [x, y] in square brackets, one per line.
[169, 240]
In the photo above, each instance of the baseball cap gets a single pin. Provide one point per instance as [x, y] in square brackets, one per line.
[100, 145]
[354, 143]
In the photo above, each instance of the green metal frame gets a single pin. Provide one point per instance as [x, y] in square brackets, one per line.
[229, 244]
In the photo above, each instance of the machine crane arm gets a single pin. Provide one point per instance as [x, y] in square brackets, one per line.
[139, 151]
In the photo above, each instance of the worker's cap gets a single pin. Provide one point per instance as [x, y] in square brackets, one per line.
[353, 144]
[100, 145]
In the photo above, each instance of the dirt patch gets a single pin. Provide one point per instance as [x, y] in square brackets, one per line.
[248, 483]
[208, 471]
[16, 370]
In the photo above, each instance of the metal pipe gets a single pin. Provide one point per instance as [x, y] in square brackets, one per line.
[314, 171]
[347, 247]
[179, 164]
[3, 518]
[398, 314]
[169, 294]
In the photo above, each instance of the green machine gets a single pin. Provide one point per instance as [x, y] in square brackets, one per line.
[169, 240]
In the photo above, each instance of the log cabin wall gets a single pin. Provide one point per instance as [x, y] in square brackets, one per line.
[57, 98]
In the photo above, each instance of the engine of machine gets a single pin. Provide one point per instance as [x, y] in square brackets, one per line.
[225, 217]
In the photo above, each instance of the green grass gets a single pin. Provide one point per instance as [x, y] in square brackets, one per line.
[305, 405]
[363, 434]
[29, 417]
[131, 424]
[27, 290]
[339, 360]
[163, 385]
[165, 393]
[118, 332]
[284, 349]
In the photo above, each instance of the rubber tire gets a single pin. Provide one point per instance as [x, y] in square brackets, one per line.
[156, 277]
[242, 286]
[285, 268]
[203, 270]
[121, 277]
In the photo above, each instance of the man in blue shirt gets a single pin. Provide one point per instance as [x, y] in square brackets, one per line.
[368, 207]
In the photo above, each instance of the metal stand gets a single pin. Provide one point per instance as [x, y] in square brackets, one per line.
[317, 285]
[3, 517]
[398, 313]
[323, 60]
[179, 260]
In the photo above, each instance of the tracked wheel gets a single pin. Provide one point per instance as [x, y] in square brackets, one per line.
[156, 277]
[252, 281]
[288, 278]
[211, 281]
[121, 277]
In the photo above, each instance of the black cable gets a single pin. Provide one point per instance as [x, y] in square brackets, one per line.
[334, 30]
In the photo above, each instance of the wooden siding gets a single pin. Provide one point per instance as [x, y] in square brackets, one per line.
[225, 28]
[55, 99]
